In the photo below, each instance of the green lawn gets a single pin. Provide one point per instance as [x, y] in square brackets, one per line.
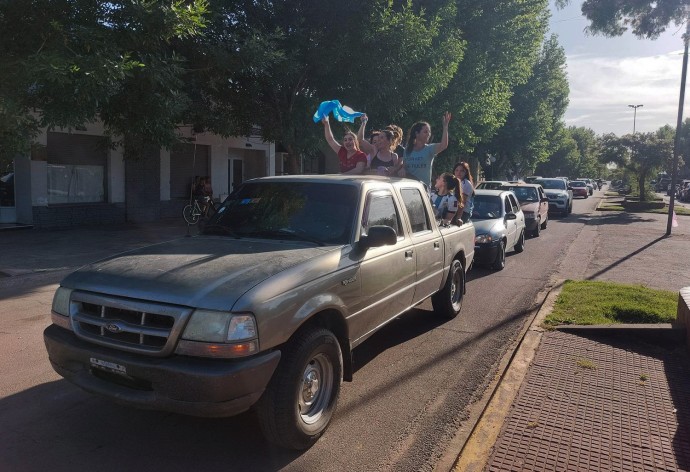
[639, 208]
[592, 302]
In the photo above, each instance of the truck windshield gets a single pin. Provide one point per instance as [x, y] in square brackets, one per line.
[317, 212]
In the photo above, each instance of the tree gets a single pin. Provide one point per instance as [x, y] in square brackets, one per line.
[641, 153]
[537, 107]
[82, 60]
[646, 18]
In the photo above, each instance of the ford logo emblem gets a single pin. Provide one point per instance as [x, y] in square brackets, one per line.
[113, 328]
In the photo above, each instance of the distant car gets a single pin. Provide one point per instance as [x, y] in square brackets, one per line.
[532, 178]
[580, 188]
[491, 184]
[662, 184]
[499, 225]
[560, 194]
[534, 204]
[588, 182]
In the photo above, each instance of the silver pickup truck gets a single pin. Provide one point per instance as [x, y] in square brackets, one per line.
[265, 307]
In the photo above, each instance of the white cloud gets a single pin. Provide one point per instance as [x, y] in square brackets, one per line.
[601, 88]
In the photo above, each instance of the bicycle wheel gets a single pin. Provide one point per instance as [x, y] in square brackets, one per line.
[190, 216]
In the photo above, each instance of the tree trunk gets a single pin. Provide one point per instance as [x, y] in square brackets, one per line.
[293, 161]
[640, 182]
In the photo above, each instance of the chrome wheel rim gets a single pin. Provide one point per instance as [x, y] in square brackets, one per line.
[456, 289]
[316, 388]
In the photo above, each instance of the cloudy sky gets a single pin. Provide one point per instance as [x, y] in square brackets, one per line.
[608, 74]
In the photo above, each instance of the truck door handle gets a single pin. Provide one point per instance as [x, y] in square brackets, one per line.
[437, 245]
[408, 254]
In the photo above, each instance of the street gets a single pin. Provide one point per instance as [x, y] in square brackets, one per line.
[414, 382]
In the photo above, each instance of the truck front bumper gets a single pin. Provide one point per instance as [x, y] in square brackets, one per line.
[485, 253]
[180, 384]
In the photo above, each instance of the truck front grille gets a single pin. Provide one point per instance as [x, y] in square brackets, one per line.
[127, 324]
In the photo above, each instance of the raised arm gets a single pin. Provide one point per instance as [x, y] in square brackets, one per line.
[328, 134]
[443, 145]
[365, 145]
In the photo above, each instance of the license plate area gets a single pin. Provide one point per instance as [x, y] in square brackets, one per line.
[108, 366]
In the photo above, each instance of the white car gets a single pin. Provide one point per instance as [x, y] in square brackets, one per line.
[499, 226]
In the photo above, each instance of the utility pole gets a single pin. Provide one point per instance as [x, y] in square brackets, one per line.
[635, 107]
[679, 124]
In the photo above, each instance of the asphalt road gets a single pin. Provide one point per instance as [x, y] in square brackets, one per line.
[414, 383]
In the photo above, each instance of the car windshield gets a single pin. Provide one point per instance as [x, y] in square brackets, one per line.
[317, 212]
[577, 183]
[556, 184]
[486, 207]
[525, 194]
[490, 185]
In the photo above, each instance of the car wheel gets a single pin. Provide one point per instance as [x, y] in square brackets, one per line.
[586, 197]
[537, 229]
[500, 262]
[520, 244]
[570, 208]
[448, 302]
[300, 399]
[546, 221]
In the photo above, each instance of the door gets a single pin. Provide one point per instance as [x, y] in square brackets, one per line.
[427, 245]
[511, 225]
[235, 173]
[387, 272]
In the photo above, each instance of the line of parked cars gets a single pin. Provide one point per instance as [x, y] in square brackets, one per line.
[505, 212]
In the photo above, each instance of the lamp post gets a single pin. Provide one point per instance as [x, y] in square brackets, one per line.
[635, 107]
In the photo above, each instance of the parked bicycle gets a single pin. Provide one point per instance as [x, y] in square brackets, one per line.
[195, 211]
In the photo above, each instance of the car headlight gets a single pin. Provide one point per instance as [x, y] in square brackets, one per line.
[61, 308]
[219, 334]
[482, 238]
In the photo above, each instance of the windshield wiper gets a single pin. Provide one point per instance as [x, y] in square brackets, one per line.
[225, 229]
[290, 234]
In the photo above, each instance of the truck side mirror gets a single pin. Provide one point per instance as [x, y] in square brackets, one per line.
[378, 236]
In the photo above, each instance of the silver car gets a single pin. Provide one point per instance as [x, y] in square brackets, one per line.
[499, 226]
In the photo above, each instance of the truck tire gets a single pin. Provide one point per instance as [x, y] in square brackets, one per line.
[500, 262]
[300, 399]
[520, 245]
[448, 301]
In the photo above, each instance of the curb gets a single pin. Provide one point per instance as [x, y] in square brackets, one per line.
[498, 399]
[661, 333]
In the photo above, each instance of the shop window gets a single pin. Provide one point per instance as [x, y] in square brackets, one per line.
[76, 168]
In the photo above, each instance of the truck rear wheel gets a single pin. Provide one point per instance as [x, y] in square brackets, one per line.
[448, 301]
[299, 402]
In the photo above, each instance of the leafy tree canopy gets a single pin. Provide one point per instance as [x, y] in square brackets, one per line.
[645, 18]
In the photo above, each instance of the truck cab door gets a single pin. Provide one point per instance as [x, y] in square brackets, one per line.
[427, 243]
[387, 272]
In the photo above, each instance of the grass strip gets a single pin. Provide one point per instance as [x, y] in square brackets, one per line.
[585, 302]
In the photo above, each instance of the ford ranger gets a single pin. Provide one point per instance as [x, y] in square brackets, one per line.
[263, 309]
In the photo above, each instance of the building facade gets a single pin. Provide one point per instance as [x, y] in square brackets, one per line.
[74, 177]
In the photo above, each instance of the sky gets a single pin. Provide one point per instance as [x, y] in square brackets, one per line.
[608, 74]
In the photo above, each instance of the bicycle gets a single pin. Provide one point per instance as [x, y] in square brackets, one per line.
[193, 211]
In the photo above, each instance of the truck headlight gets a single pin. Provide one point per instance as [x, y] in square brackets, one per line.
[219, 334]
[482, 238]
[61, 308]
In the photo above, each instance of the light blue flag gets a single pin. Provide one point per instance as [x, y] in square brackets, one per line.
[340, 112]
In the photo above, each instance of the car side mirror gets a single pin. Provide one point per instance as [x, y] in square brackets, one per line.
[378, 236]
[511, 216]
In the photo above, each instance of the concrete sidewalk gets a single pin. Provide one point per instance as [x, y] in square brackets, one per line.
[581, 400]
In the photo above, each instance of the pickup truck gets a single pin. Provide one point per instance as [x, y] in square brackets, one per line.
[263, 308]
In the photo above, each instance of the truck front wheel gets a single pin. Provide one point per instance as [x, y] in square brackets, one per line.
[448, 301]
[299, 402]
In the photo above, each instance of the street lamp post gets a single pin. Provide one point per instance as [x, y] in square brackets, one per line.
[635, 107]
